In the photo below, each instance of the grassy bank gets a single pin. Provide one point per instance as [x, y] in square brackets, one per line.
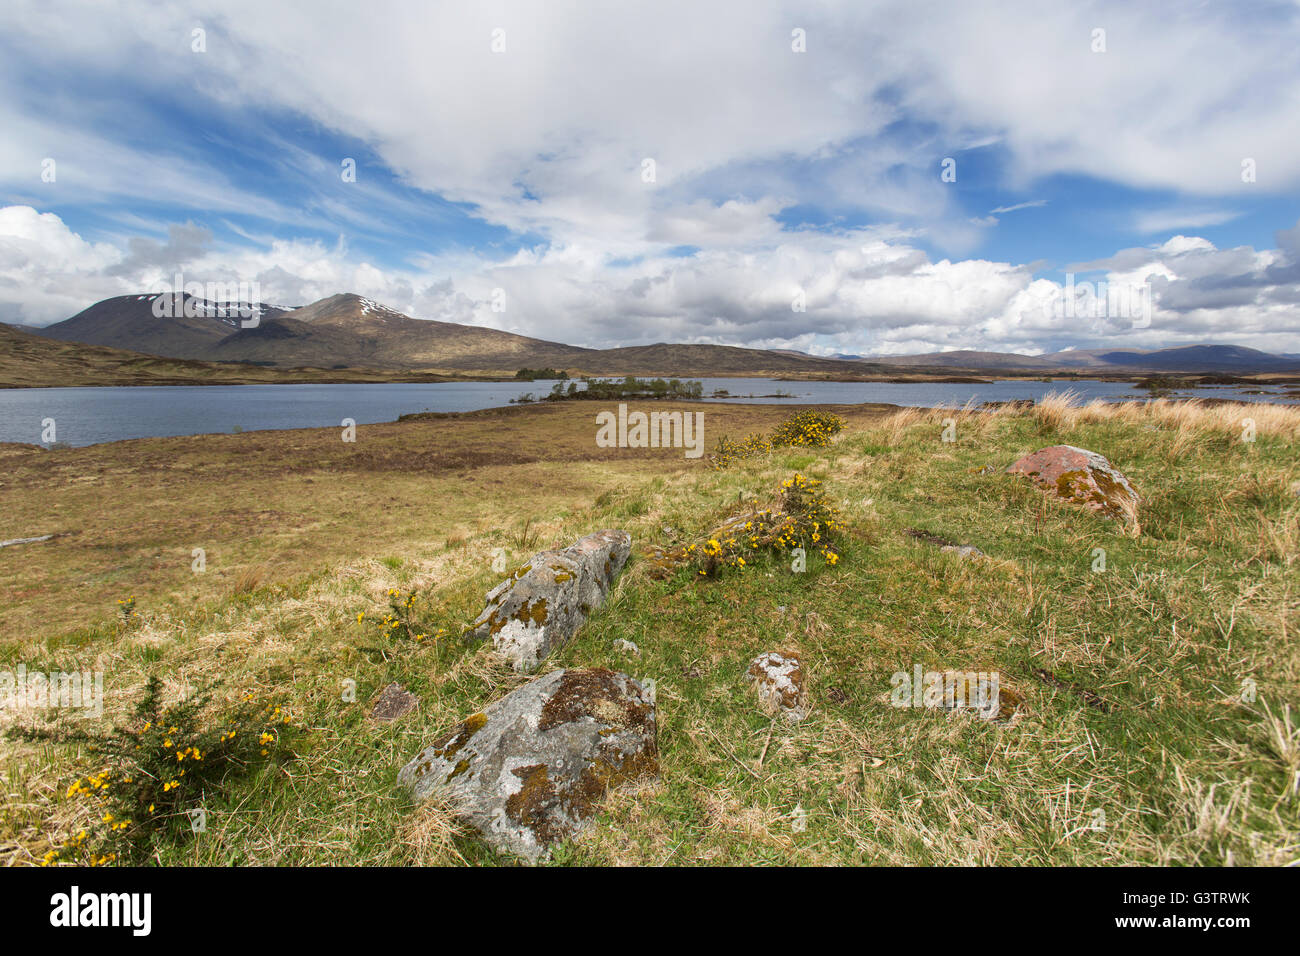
[1135, 680]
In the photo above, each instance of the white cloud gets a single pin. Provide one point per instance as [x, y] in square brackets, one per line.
[550, 138]
[864, 291]
[550, 135]
[1032, 204]
[1166, 220]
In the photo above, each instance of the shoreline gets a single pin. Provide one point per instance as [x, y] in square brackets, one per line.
[516, 408]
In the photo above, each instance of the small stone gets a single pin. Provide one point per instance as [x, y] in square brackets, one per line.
[393, 701]
[961, 550]
[627, 647]
[782, 690]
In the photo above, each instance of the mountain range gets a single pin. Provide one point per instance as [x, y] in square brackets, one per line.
[348, 331]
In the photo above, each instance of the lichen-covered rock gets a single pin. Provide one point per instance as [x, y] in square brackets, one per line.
[543, 603]
[782, 688]
[531, 769]
[1082, 477]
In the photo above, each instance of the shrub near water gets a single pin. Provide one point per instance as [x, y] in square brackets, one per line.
[729, 451]
[810, 429]
[159, 771]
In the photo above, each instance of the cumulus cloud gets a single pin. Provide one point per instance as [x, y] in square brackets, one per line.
[864, 291]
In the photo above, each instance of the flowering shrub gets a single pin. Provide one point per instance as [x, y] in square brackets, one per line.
[810, 428]
[155, 773]
[401, 619]
[804, 520]
[728, 451]
[129, 616]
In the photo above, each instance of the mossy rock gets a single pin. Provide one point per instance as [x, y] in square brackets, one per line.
[538, 609]
[532, 769]
[1083, 478]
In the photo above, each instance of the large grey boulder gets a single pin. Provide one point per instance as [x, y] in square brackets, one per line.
[531, 769]
[543, 603]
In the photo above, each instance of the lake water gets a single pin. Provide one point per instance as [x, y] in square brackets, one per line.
[86, 416]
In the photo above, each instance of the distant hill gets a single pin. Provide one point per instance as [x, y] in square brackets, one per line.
[347, 331]
[1190, 358]
[967, 359]
[1204, 358]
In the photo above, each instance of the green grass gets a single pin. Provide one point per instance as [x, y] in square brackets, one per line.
[1132, 678]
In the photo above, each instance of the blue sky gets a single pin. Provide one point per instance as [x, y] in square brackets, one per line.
[778, 173]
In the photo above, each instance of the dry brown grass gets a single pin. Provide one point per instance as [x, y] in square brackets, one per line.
[135, 510]
[1190, 419]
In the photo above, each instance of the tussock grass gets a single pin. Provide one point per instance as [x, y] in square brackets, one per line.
[1158, 723]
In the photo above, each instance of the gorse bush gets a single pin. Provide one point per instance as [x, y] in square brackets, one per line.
[156, 774]
[810, 428]
[401, 619]
[804, 520]
[129, 616]
[728, 451]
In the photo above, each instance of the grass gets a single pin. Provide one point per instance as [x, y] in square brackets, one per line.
[1159, 721]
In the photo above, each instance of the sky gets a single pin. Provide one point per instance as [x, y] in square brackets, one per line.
[836, 177]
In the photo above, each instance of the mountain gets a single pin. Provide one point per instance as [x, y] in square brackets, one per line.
[350, 332]
[1204, 358]
[967, 359]
[28, 360]
[128, 322]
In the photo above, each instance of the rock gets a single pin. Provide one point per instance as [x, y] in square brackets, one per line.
[627, 647]
[961, 550]
[782, 690]
[1082, 477]
[543, 603]
[16, 541]
[531, 769]
[393, 701]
